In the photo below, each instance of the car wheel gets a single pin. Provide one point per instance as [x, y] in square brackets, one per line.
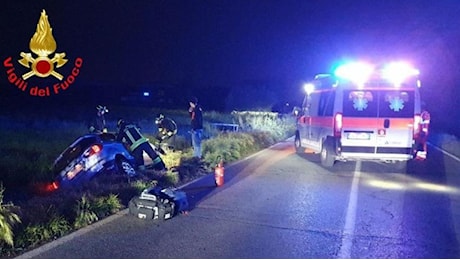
[327, 156]
[125, 168]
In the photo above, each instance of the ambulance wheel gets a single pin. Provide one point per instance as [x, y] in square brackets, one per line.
[297, 144]
[327, 154]
[400, 166]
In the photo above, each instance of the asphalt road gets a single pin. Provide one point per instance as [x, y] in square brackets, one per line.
[278, 204]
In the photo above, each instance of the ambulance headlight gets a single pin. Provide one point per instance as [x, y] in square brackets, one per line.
[309, 88]
[357, 72]
[398, 72]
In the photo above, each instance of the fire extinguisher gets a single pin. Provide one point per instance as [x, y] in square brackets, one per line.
[219, 172]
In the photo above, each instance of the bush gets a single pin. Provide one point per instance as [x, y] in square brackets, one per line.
[58, 226]
[35, 234]
[7, 219]
[233, 146]
[279, 127]
[171, 178]
[172, 159]
[85, 215]
[106, 205]
[140, 185]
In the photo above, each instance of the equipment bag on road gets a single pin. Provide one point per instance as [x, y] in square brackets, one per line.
[158, 204]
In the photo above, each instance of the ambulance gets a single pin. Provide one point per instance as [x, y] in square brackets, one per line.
[364, 112]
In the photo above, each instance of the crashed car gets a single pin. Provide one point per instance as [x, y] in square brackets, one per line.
[89, 156]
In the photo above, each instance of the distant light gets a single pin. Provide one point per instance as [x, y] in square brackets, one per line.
[309, 88]
[146, 94]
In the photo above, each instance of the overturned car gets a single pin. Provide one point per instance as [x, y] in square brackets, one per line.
[89, 156]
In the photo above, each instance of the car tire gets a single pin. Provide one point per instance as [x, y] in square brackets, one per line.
[125, 168]
[327, 153]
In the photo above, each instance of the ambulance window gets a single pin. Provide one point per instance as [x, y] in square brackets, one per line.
[326, 103]
[397, 104]
[360, 103]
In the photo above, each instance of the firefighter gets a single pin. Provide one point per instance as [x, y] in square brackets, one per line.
[166, 128]
[129, 134]
[100, 120]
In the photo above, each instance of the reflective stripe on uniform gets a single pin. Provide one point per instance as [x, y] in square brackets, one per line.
[133, 142]
[157, 160]
[137, 143]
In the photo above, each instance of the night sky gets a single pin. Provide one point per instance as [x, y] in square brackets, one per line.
[222, 45]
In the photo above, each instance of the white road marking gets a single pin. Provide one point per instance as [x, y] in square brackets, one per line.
[349, 228]
[445, 152]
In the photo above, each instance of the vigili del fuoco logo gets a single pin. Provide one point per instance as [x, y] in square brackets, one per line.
[39, 63]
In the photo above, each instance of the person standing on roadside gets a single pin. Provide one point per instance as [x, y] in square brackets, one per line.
[196, 116]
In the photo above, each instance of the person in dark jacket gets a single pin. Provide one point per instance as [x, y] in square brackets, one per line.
[196, 116]
[129, 134]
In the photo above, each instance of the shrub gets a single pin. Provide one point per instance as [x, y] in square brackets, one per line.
[7, 219]
[229, 147]
[58, 226]
[85, 215]
[172, 159]
[171, 178]
[35, 234]
[278, 127]
[140, 185]
[106, 205]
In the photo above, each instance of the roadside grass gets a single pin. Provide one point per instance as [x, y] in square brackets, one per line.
[28, 154]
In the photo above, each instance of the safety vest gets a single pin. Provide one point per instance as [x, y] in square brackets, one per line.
[133, 137]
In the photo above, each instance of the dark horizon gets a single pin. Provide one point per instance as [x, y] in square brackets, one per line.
[257, 50]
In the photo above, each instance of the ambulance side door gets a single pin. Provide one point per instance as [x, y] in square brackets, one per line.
[303, 125]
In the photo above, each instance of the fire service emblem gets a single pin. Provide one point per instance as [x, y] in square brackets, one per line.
[42, 45]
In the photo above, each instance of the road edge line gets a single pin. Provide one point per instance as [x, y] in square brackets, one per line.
[350, 217]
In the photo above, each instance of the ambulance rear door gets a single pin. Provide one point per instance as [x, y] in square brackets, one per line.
[378, 123]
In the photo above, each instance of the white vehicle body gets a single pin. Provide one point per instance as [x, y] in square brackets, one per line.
[373, 118]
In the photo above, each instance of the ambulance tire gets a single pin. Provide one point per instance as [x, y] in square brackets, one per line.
[327, 153]
[297, 144]
[400, 166]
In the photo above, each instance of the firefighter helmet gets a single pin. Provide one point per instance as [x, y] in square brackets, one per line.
[159, 118]
[102, 109]
[120, 122]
